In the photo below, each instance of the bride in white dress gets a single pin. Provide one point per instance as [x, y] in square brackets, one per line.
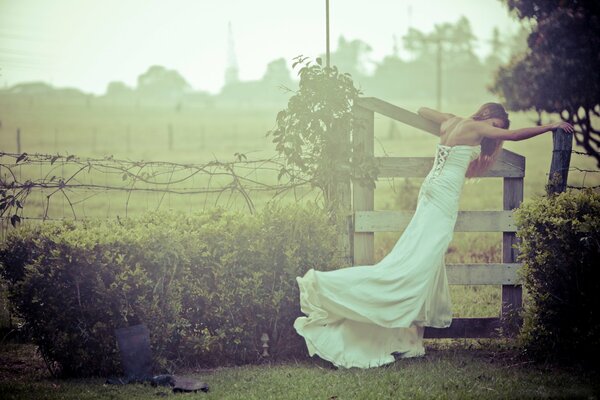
[361, 316]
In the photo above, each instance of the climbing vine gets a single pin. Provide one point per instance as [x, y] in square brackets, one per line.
[313, 134]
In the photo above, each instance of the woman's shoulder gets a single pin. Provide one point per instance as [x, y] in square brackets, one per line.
[460, 131]
[464, 124]
[451, 124]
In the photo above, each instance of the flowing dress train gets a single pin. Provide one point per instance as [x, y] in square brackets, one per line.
[358, 316]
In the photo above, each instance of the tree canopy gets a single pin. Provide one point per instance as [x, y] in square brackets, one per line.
[159, 81]
[558, 73]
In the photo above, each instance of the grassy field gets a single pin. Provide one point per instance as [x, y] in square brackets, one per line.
[200, 135]
[203, 134]
[469, 370]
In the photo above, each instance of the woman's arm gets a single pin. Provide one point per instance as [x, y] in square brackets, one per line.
[434, 115]
[492, 132]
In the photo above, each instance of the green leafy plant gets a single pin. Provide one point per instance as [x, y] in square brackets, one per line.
[560, 248]
[314, 132]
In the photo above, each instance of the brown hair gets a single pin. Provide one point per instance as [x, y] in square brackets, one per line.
[490, 148]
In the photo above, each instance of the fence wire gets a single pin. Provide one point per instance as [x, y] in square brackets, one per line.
[43, 187]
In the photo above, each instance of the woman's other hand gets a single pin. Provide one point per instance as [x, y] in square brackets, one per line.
[565, 126]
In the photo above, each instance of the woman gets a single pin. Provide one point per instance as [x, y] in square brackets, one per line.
[362, 316]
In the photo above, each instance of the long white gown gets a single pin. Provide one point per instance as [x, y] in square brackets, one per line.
[358, 316]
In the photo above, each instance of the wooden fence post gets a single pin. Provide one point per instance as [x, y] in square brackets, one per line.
[512, 296]
[562, 144]
[342, 203]
[363, 197]
[18, 140]
[346, 226]
[94, 135]
[128, 139]
[170, 136]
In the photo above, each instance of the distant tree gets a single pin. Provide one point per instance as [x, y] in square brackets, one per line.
[269, 90]
[418, 43]
[118, 89]
[277, 73]
[497, 48]
[463, 75]
[461, 37]
[457, 39]
[351, 57]
[559, 72]
[518, 43]
[391, 79]
[32, 88]
[161, 82]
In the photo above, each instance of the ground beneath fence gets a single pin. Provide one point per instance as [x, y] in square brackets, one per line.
[461, 369]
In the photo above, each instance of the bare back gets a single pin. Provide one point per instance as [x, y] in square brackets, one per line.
[459, 131]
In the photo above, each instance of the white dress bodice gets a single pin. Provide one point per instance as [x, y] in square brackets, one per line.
[445, 180]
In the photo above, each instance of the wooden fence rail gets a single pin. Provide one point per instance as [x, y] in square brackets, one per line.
[509, 166]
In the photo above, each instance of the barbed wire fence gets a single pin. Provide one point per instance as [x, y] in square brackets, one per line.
[44, 187]
[585, 172]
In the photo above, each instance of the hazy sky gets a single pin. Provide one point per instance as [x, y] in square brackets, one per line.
[88, 43]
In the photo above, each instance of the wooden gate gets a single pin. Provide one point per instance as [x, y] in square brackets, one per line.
[367, 221]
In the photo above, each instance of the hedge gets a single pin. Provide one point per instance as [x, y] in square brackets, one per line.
[207, 285]
[560, 250]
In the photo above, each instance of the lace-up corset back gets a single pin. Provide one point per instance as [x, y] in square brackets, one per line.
[440, 159]
[444, 182]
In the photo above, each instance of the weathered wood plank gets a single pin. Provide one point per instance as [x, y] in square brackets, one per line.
[399, 114]
[512, 295]
[483, 274]
[467, 221]
[363, 197]
[414, 167]
[513, 159]
[465, 328]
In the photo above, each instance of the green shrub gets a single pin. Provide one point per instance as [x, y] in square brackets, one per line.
[560, 250]
[206, 285]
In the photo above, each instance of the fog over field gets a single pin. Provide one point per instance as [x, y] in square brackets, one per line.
[114, 40]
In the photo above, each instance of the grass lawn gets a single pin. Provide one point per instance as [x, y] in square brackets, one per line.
[456, 370]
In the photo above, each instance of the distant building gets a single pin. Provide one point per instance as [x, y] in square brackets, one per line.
[232, 70]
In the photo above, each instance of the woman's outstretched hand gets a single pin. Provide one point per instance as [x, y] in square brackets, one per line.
[565, 126]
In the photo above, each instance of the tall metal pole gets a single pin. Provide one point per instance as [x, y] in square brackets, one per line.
[439, 74]
[327, 31]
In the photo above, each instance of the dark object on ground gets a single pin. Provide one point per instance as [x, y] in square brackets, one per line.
[184, 385]
[136, 355]
[117, 381]
[163, 380]
[179, 384]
